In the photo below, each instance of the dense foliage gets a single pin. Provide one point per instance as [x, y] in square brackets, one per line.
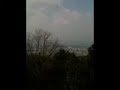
[64, 71]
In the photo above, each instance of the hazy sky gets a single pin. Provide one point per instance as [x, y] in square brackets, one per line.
[72, 21]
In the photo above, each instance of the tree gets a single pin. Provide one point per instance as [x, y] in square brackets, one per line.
[91, 51]
[41, 47]
[91, 66]
[29, 43]
[42, 42]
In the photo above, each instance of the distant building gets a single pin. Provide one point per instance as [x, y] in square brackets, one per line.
[78, 51]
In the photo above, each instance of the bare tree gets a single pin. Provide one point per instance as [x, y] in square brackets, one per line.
[38, 40]
[43, 42]
[29, 43]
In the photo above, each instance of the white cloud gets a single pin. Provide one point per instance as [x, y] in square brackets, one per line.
[58, 2]
[66, 24]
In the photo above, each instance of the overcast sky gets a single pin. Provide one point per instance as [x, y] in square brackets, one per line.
[72, 21]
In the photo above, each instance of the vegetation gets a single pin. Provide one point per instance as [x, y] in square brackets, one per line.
[50, 67]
